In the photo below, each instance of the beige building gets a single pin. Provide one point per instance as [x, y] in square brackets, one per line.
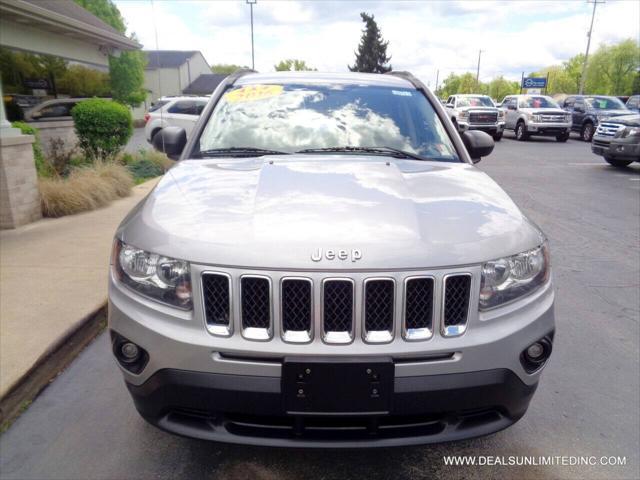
[54, 27]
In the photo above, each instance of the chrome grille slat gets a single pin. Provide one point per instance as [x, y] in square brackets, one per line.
[255, 305]
[457, 292]
[338, 310]
[217, 302]
[607, 129]
[379, 305]
[418, 308]
[296, 309]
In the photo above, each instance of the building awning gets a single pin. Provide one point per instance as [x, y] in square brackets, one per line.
[61, 28]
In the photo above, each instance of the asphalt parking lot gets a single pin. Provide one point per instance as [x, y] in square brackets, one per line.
[85, 426]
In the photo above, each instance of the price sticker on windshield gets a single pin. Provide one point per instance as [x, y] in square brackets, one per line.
[251, 93]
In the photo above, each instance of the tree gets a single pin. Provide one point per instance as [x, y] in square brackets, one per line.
[225, 68]
[292, 65]
[612, 68]
[371, 55]
[80, 81]
[500, 87]
[126, 72]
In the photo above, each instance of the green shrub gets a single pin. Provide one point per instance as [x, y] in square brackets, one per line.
[144, 168]
[103, 127]
[43, 167]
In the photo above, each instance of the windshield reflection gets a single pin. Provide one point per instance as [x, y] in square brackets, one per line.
[293, 118]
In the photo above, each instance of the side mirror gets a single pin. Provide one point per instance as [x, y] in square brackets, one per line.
[170, 140]
[578, 109]
[511, 107]
[449, 105]
[479, 144]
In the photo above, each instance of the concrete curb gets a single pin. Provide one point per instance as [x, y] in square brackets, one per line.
[55, 359]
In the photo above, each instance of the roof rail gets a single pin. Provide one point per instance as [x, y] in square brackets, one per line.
[408, 76]
[231, 79]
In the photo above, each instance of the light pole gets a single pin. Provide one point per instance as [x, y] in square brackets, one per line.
[478, 71]
[251, 3]
[586, 55]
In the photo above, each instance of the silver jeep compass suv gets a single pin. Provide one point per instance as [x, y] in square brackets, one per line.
[325, 267]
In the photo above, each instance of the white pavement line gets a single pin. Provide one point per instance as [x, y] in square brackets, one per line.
[584, 164]
[635, 179]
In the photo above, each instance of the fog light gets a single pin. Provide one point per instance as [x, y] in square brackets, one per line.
[535, 351]
[536, 354]
[130, 352]
[130, 356]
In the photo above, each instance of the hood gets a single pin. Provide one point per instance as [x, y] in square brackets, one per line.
[632, 120]
[544, 111]
[276, 211]
[611, 113]
[479, 109]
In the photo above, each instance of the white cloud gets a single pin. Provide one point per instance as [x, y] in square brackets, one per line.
[423, 36]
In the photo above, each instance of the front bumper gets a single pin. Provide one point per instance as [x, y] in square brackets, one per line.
[200, 385]
[249, 410]
[548, 129]
[617, 148]
[492, 128]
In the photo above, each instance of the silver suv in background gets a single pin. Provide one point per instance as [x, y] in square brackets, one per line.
[476, 112]
[540, 115]
[173, 111]
[617, 139]
[326, 267]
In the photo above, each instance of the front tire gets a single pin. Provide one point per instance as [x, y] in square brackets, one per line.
[563, 137]
[587, 132]
[618, 163]
[521, 132]
[497, 136]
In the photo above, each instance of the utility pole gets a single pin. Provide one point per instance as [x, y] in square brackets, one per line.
[478, 71]
[586, 55]
[251, 3]
[437, 78]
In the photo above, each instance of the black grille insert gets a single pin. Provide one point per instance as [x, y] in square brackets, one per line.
[338, 305]
[379, 303]
[256, 304]
[217, 298]
[419, 303]
[456, 299]
[296, 305]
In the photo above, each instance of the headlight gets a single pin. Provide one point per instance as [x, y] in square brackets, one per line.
[463, 114]
[628, 132]
[534, 117]
[158, 277]
[500, 113]
[509, 278]
[567, 118]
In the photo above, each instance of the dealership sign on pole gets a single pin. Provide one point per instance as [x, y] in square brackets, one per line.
[534, 82]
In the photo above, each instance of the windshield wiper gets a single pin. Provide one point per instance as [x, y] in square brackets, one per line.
[389, 151]
[237, 152]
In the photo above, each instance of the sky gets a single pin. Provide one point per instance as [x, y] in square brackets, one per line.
[424, 36]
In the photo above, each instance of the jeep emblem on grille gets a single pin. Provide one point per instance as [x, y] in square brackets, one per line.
[340, 254]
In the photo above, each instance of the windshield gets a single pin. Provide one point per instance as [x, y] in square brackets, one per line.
[605, 103]
[475, 102]
[292, 117]
[533, 101]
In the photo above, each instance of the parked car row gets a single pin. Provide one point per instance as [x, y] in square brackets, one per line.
[181, 111]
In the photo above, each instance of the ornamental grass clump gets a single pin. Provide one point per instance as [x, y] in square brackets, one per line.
[85, 189]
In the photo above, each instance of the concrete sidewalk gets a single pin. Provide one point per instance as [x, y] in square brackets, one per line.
[53, 274]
